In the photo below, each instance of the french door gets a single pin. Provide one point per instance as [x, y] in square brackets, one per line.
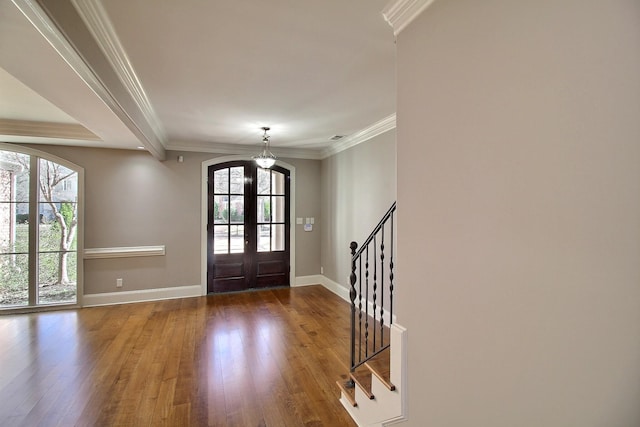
[247, 227]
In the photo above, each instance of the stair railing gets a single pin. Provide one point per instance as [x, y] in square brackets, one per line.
[370, 313]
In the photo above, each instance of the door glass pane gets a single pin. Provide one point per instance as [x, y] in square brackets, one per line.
[264, 208]
[57, 210]
[21, 228]
[264, 238]
[277, 237]
[58, 233]
[277, 185]
[237, 209]
[263, 181]
[57, 277]
[57, 222]
[220, 209]
[221, 181]
[237, 239]
[14, 229]
[57, 184]
[237, 180]
[21, 180]
[277, 210]
[14, 280]
[49, 234]
[220, 239]
[14, 177]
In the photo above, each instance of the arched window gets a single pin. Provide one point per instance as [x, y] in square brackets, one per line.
[40, 221]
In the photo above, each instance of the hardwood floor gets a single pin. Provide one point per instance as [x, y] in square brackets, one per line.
[264, 358]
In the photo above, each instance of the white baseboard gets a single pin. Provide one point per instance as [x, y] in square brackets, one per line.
[336, 288]
[319, 279]
[145, 295]
[127, 297]
[342, 292]
[315, 279]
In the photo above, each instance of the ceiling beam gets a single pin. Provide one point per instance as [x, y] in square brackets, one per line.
[63, 27]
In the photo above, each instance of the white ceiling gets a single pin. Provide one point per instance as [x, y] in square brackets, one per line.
[195, 74]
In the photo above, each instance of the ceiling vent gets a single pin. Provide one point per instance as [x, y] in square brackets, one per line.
[336, 137]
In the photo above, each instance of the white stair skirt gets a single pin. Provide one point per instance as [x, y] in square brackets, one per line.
[388, 407]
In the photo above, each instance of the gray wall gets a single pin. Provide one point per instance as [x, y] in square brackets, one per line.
[308, 184]
[519, 213]
[131, 199]
[358, 187]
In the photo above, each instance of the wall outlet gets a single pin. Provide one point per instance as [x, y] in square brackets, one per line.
[118, 283]
[321, 270]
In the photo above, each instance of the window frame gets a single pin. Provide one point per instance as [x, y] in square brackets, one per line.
[34, 249]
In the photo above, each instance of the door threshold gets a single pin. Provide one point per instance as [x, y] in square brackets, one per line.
[269, 288]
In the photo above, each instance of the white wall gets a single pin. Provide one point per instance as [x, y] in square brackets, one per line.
[519, 213]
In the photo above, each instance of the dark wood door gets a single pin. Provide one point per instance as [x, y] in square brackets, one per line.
[248, 227]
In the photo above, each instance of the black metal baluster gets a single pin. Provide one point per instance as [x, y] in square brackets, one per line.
[352, 297]
[359, 309]
[382, 288]
[366, 305]
[375, 289]
[391, 275]
[376, 345]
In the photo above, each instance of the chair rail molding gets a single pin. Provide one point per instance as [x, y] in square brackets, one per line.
[124, 252]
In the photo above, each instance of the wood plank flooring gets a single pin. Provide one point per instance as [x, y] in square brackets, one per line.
[255, 359]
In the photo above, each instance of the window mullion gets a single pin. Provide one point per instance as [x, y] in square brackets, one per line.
[34, 220]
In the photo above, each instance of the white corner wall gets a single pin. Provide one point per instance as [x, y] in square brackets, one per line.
[519, 213]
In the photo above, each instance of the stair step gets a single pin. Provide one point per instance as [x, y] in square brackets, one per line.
[380, 365]
[348, 392]
[362, 377]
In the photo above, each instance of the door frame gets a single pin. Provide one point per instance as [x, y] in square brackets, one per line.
[203, 215]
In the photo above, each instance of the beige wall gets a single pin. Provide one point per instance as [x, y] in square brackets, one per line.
[308, 184]
[519, 213]
[134, 200]
[358, 187]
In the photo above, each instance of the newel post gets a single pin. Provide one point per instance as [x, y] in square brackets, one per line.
[352, 297]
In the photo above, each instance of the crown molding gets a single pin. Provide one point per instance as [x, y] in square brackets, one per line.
[400, 13]
[378, 128]
[242, 149]
[47, 26]
[97, 21]
[46, 130]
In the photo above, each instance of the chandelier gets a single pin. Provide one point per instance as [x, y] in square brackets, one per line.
[266, 159]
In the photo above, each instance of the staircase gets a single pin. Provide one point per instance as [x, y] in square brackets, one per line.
[374, 394]
[373, 391]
